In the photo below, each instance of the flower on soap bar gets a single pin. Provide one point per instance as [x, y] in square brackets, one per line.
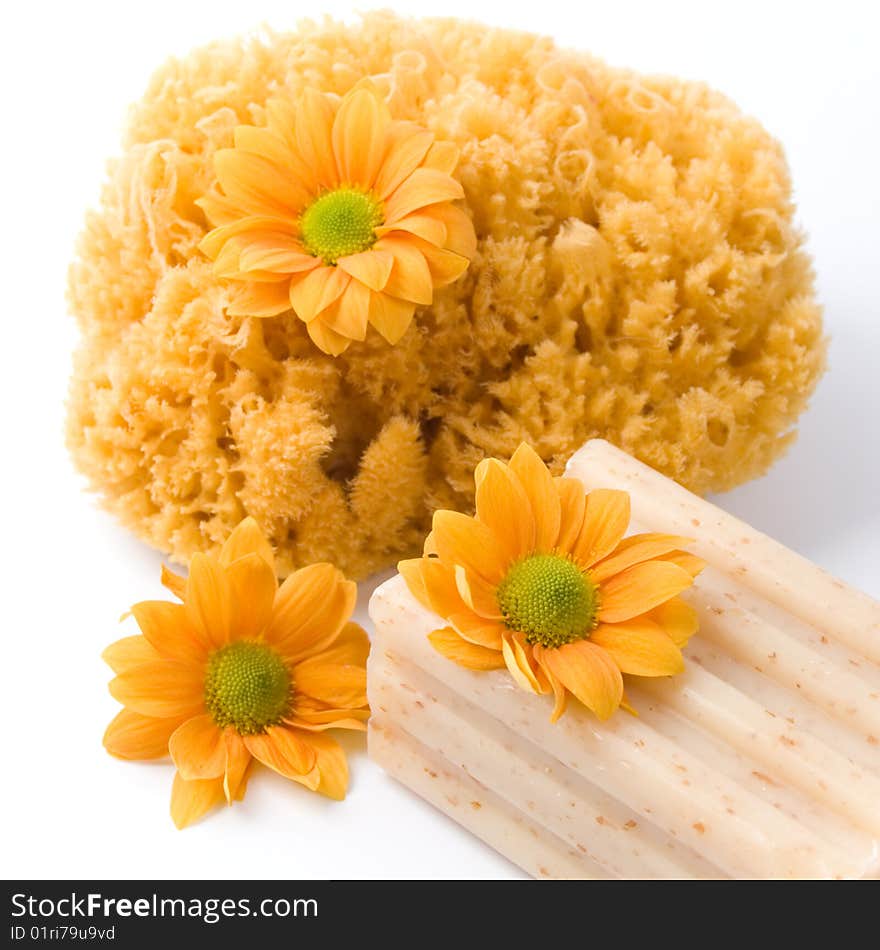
[339, 212]
[543, 582]
[241, 671]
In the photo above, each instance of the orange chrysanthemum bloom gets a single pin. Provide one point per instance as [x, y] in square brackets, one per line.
[243, 669]
[340, 213]
[542, 581]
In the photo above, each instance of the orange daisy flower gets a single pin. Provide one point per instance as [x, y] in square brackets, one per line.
[340, 213]
[543, 582]
[242, 670]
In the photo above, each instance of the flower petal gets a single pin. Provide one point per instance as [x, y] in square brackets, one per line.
[282, 750]
[249, 226]
[160, 688]
[606, 518]
[341, 719]
[238, 760]
[258, 183]
[281, 122]
[227, 260]
[252, 586]
[342, 686]
[474, 629]
[349, 315]
[246, 538]
[677, 619]
[190, 801]
[314, 124]
[460, 235]
[480, 596]
[443, 156]
[639, 647]
[331, 764]
[311, 780]
[280, 257]
[586, 671]
[173, 582]
[263, 142]
[208, 600]
[426, 186]
[410, 277]
[445, 267]
[311, 608]
[259, 300]
[372, 268]
[198, 749]
[457, 649]
[314, 716]
[390, 316]
[129, 653]
[359, 137]
[327, 340]
[411, 571]
[572, 502]
[543, 496]
[634, 550]
[560, 694]
[407, 146]
[351, 647]
[166, 626]
[133, 736]
[504, 507]
[220, 210]
[423, 224]
[639, 589]
[518, 665]
[684, 559]
[228, 266]
[433, 585]
[316, 291]
[468, 542]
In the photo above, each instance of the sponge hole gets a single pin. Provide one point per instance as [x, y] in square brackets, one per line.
[717, 431]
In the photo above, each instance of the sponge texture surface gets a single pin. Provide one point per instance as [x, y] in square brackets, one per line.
[638, 278]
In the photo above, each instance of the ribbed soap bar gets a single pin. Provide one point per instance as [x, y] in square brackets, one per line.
[761, 760]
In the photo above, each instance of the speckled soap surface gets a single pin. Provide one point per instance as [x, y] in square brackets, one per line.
[762, 760]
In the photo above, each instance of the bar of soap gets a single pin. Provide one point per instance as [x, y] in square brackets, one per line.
[761, 760]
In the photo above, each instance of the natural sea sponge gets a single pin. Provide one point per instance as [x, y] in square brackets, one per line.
[638, 279]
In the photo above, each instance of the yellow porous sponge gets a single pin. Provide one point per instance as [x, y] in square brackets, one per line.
[638, 278]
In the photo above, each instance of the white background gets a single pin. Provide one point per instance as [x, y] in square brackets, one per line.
[809, 72]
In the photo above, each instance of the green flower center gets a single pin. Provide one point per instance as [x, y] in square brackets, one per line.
[248, 687]
[340, 222]
[549, 599]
